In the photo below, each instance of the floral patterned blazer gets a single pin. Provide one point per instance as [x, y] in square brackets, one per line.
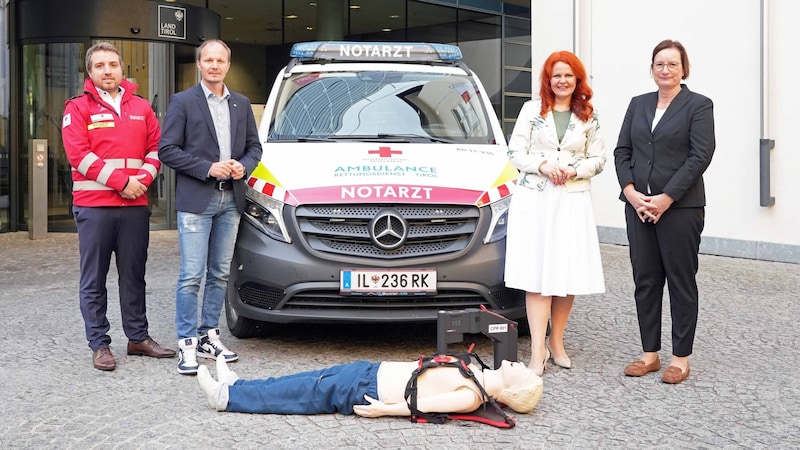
[535, 141]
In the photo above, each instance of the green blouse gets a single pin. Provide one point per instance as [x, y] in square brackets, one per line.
[561, 119]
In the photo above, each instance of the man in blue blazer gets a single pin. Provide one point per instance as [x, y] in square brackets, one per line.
[211, 140]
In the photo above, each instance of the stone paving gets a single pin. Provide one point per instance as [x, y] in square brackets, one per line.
[744, 390]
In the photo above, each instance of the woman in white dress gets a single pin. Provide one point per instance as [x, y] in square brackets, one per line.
[552, 249]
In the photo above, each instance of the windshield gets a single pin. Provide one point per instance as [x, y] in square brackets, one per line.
[364, 105]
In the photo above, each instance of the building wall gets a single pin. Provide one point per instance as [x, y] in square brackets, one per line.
[615, 39]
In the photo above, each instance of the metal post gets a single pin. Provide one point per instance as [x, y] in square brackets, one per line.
[764, 172]
[37, 227]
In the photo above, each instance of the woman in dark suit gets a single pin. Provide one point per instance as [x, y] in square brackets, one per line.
[665, 144]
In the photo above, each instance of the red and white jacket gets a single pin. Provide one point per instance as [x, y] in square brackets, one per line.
[105, 148]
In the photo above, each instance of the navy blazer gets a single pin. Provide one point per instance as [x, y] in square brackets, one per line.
[189, 146]
[672, 157]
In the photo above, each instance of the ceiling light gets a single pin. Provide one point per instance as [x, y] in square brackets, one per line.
[386, 29]
[291, 16]
[309, 28]
[355, 6]
[229, 18]
[394, 16]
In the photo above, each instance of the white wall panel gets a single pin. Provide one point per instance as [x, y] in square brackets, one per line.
[723, 39]
[781, 223]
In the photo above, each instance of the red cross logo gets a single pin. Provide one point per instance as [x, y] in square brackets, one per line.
[385, 152]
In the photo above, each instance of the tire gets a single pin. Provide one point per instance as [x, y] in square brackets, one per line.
[242, 327]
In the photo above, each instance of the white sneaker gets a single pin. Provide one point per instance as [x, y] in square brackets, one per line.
[216, 393]
[225, 375]
[187, 356]
[210, 347]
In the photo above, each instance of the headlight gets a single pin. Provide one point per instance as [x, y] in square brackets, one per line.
[499, 223]
[266, 214]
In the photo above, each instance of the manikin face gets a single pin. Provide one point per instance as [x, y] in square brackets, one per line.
[106, 71]
[213, 64]
[667, 69]
[515, 374]
[562, 81]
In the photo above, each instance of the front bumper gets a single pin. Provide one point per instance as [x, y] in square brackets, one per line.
[276, 282]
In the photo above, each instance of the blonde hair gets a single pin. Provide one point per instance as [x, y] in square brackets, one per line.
[205, 44]
[523, 399]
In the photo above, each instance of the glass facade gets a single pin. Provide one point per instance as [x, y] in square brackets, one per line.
[5, 156]
[517, 65]
[494, 38]
[52, 73]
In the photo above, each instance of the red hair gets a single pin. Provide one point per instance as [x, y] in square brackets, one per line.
[580, 104]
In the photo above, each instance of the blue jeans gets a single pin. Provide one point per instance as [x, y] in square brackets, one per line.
[326, 391]
[206, 240]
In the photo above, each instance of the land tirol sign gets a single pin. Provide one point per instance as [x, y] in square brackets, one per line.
[171, 22]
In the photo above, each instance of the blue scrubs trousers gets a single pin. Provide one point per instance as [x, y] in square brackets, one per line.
[332, 390]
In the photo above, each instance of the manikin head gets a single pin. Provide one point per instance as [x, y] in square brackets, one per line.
[521, 389]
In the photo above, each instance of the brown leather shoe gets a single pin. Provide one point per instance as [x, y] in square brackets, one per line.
[674, 375]
[103, 359]
[149, 347]
[639, 368]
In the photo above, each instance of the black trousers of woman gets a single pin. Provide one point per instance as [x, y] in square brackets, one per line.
[666, 252]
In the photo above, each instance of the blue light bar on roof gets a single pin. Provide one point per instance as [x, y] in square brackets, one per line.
[375, 51]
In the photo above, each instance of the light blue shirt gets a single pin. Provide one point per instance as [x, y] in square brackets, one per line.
[221, 115]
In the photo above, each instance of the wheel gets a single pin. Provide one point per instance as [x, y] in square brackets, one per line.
[242, 327]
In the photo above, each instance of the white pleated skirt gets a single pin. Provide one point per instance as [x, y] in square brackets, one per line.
[551, 243]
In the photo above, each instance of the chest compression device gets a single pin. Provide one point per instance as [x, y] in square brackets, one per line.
[451, 327]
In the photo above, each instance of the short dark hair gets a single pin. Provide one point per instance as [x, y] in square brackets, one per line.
[209, 42]
[101, 46]
[669, 43]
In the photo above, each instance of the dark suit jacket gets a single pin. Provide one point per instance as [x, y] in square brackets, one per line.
[189, 145]
[673, 157]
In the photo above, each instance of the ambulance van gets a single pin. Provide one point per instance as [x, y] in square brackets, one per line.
[382, 194]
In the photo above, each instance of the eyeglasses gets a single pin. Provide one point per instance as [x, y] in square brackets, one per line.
[672, 66]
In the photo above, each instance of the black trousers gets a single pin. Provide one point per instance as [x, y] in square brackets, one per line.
[125, 232]
[666, 252]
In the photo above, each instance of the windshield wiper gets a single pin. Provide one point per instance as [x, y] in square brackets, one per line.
[434, 139]
[394, 138]
[302, 139]
[370, 137]
[381, 137]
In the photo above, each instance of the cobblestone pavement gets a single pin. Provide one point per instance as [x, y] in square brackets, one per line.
[744, 390]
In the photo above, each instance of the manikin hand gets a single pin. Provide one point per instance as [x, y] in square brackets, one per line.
[374, 409]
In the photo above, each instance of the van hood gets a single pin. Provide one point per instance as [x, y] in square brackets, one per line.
[359, 172]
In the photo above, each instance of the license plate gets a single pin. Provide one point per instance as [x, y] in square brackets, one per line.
[387, 281]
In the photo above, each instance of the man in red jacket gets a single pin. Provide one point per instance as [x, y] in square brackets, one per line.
[111, 140]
